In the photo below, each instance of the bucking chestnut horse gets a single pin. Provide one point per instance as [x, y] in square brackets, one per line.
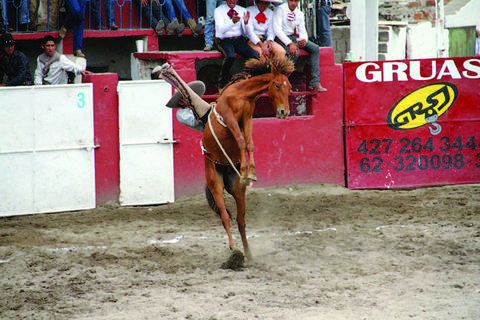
[227, 138]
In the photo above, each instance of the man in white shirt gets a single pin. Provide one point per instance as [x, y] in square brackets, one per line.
[290, 32]
[230, 29]
[52, 67]
[260, 29]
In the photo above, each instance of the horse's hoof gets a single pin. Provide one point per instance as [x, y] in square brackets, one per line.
[252, 177]
[236, 261]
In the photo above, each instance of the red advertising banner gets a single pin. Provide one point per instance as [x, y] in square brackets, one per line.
[412, 122]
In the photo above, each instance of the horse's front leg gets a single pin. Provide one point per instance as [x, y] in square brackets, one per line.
[232, 124]
[252, 175]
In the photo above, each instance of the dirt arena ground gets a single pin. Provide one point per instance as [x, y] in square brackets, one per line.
[320, 252]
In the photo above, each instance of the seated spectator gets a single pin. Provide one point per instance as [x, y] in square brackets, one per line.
[230, 29]
[13, 63]
[52, 67]
[96, 13]
[260, 29]
[288, 21]
[151, 9]
[175, 25]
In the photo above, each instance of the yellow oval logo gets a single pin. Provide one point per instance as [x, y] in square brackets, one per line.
[422, 106]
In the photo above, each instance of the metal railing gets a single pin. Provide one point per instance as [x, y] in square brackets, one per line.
[48, 15]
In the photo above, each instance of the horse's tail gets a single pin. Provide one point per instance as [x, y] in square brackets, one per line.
[212, 204]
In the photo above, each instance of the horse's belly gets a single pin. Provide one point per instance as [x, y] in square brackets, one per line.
[228, 145]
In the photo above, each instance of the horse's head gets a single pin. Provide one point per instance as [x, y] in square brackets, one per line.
[278, 91]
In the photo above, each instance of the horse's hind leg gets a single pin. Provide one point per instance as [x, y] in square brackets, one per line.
[215, 188]
[238, 190]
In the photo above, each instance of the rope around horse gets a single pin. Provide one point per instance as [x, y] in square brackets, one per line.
[220, 120]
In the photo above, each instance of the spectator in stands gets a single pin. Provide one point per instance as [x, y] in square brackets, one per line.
[52, 67]
[74, 21]
[291, 34]
[175, 25]
[230, 28]
[23, 16]
[260, 29]
[324, 33]
[151, 9]
[13, 63]
[44, 14]
[96, 13]
[210, 6]
[3, 15]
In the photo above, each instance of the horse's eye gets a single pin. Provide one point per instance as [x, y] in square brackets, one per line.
[277, 86]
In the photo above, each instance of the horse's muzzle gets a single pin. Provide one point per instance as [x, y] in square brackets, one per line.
[282, 113]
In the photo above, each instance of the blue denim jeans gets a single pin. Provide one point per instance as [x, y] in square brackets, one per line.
[22, 12]
[96, 12]
[324, 34]
[209, 20]
[184, 14]
[228, 47]
[74, 21]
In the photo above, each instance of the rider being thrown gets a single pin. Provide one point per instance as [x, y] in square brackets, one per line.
[194, 110]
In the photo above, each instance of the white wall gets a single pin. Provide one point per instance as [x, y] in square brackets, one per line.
[469, 15]
[421, 41]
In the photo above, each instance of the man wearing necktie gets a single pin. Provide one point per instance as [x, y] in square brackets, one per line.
[291, 34]
[230, 28]
[260, 29]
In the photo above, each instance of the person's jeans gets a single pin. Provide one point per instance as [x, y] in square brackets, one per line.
[228, 47]
[22, 10]
[324, 34]
[74, 21]
[209, 20]
[96, 12]
[314, 58]
[152, 12]
[181, 7]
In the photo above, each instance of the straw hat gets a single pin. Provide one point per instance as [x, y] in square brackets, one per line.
[197, 86]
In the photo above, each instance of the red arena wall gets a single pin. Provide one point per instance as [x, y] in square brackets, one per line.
[300, 149]
[391, 137]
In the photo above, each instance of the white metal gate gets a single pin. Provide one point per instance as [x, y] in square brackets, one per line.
[46, 149]
[146, 150]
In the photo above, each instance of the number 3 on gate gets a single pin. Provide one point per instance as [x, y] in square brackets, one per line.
[81, 100]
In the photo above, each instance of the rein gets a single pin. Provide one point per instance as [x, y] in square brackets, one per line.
[220, 120]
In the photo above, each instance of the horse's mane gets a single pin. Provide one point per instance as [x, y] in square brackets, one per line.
[255, 67]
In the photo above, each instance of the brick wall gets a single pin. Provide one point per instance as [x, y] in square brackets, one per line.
[340, 42]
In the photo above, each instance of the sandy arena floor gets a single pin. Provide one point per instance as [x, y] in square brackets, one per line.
[320, 252]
